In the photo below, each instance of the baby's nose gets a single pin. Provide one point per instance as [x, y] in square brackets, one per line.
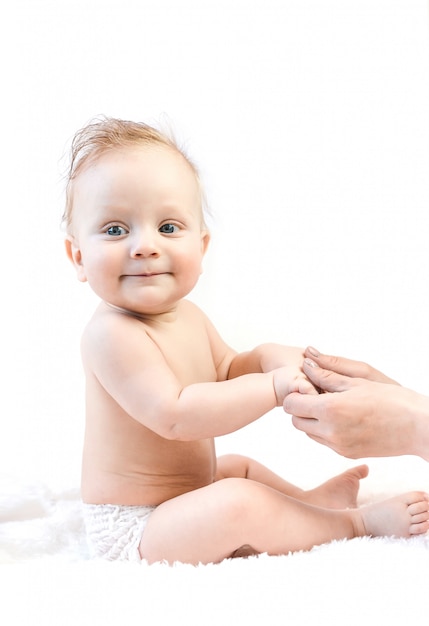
[145, 244]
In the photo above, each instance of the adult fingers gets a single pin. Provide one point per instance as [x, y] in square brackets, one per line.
[347, 367]
[303, 406]
[309, 426]
[316, 430]
[325, 379]
[339, 364]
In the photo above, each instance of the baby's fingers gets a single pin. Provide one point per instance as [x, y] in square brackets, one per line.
[305, 386]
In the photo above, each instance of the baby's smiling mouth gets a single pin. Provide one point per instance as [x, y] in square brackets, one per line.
[146, 274]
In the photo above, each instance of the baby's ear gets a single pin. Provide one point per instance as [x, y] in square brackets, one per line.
[74, 254]
[205, 240]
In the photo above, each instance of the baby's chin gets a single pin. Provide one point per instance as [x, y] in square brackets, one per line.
[146, 312]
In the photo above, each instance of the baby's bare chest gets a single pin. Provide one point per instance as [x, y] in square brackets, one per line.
[188, 352]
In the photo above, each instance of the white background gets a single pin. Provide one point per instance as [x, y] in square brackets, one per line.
[309, 121]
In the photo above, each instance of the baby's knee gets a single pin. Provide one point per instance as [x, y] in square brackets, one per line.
[239, 498]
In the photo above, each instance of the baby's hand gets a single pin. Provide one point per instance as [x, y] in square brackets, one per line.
[274, 356]
[290, 379]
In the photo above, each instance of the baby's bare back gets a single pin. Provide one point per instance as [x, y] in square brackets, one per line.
[124, 461]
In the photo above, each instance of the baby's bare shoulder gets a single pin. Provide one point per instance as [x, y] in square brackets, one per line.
[109, 330]
[190, 309]
[105, 319]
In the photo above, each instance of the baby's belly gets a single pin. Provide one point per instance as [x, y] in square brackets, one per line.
[139, 480]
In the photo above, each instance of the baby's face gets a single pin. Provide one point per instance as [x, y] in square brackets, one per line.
[138, 235]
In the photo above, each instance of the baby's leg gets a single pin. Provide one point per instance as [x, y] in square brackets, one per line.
[212, 523]
[339, 492]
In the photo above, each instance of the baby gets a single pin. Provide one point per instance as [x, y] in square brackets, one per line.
[161, 383]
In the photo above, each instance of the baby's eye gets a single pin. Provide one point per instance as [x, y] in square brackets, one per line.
[116, 230]
[169, 229]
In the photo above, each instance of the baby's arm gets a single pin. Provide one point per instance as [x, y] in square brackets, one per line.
[268, 357]
[132, 369]
[265, 358]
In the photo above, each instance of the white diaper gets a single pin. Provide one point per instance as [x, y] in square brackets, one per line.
[114, 531]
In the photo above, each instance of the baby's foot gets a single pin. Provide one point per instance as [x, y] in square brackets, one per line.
[401, 516]
[339, 492]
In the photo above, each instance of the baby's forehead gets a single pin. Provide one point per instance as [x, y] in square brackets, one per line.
[131, 169]
[142, 155]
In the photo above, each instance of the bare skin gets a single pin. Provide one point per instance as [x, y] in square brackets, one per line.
[191, 528]
[339, 492]
[147, 437]
[362, 412]
[161, 384]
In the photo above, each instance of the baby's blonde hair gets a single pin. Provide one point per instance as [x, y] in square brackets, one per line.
[105, 134]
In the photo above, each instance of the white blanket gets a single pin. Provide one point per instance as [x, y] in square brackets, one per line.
[47, 578]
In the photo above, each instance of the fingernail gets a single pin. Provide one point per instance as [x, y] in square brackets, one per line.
[310, 362]
[313, 351]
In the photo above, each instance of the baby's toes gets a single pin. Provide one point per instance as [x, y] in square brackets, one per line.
[419, 512]
[419, 528]
[419, 508]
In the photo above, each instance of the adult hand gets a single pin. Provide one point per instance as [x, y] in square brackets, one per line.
[348, 367]
[362, 413]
